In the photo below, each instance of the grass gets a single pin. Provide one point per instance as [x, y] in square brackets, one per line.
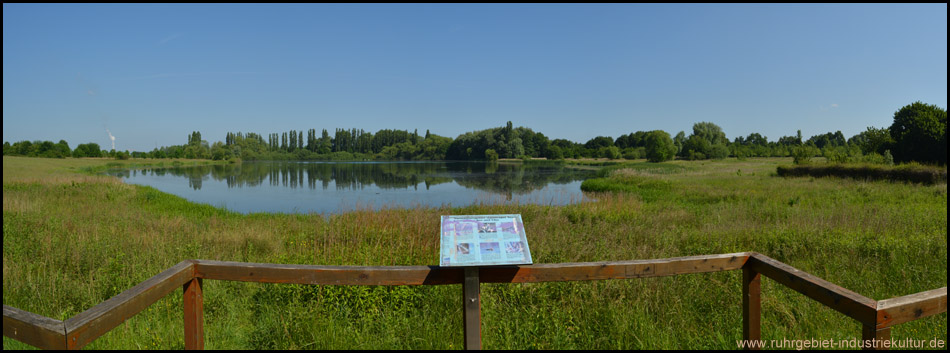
[72, 240]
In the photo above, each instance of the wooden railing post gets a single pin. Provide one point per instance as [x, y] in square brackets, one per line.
[751, 307]
[472, 312]
[194, 315]
[874, 338]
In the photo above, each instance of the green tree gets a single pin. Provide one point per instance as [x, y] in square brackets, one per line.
[433, 147]
[553, 152]
[679, 141]
[611, 152]
[872, 140]
[220, 151]
[515, 148]
[659, 146]
[599, 142]
[718, 151]
[707, 141]
[22, 148]
[920, 133]
[491, 155]
[696, 147]
[711, 132]
[61, 150]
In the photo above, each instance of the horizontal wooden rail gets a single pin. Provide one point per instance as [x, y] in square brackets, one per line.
[35, 330]
[435, 275]
[854, 305]
[90, 324]
[876, 317]
[328, 275]
[899, 310]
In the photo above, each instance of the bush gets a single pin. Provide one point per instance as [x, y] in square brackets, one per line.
[611, 152]
[659, 146]
[910, 173]
[801, 155]
[491, 155]
[718, 151]
[920, 133]
[634, 153]
[554, 152]
[693, 155]
[873, 158]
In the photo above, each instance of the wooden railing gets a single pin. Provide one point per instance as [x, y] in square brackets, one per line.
[877, 317]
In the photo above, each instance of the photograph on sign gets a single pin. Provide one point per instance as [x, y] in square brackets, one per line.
[477, 240]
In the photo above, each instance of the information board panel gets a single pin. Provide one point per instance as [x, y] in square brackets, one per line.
[477, 240]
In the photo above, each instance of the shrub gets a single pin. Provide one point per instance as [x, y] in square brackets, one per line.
[920, 133]
[554, 152]
[801, 155]
[611, 152]
[910, 173]
[634, 152]
[659, 146]
[491, 155]
[718, 151]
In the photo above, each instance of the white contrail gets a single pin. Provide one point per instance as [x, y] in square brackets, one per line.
[111, 138]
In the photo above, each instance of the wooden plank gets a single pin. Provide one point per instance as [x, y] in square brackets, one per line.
[911, 307]
[194, 315]
[751, 306]
[333, 275]
[472, 312]
[586, 271]
[33, 329]
[852, 304]
[90, 324]
[874, 338]
[434, 275]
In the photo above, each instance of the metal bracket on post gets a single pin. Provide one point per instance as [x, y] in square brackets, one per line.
[472, 309]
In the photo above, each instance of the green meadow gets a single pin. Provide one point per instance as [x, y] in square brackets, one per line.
[73, 238]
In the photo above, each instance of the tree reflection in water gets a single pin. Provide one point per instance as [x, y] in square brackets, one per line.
[499, 178]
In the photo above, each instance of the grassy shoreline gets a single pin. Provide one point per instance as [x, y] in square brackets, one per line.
[72, 240]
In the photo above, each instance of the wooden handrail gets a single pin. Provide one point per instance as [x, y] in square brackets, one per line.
[435, 275]
[899, 310]
[90, 324]
[876, 317]
[852, 304]
[36, 330]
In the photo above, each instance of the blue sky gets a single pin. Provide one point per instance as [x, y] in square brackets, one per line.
[152, 74]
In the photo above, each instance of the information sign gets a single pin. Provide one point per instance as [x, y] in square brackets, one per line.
[477, 240]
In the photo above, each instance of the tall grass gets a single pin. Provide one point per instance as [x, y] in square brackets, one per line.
[73, 240]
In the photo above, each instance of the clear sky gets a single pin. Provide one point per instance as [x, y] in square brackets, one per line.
[152, 74]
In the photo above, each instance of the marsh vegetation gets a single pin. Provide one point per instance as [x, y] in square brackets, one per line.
[72, 240]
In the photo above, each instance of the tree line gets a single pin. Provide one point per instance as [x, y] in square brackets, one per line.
[918, 133]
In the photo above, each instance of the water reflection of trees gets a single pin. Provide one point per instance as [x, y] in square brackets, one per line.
[501, 178]
[513, 178]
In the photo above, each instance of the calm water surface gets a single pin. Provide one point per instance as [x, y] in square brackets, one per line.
[336, 187]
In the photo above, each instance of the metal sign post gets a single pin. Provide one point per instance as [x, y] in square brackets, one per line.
[472, 312]
[472, 241]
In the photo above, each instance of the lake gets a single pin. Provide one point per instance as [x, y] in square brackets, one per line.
[336, 187]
